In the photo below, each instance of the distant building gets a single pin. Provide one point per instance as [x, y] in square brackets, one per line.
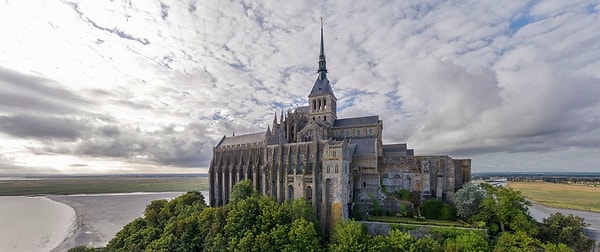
[335, 163]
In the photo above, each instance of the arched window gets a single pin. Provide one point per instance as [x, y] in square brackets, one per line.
[336, 169]
[328, 169]
[290, 192]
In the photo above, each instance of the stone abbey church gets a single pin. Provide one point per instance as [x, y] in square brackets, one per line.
[334, 163]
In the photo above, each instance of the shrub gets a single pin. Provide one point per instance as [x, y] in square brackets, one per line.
[438, 210]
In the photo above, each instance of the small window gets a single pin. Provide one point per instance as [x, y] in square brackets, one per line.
[357, 132]
[336, 169]
[370, 131]
[328, 169]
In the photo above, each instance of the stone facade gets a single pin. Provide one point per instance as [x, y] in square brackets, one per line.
[333, 163]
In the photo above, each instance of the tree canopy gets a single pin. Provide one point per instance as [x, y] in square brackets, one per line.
[257, 223]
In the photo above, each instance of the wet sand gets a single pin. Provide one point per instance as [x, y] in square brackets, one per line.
[33, 223]
[101, 216]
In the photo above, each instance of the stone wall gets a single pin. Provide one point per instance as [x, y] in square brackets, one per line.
[382, 228]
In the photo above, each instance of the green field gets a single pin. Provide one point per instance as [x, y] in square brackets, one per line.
[104, 184]
[569, 196]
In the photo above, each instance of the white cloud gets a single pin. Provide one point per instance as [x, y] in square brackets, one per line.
[468, 78]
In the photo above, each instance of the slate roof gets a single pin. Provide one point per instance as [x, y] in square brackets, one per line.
[321, 87]
[364, 145]
[394, 148]
[356, 121]
[303, 109]
[242, 139]
[398, 148]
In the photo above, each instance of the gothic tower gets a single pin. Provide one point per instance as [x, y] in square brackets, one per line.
[321, 100]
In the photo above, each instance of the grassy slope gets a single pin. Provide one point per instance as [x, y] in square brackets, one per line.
[102, 185]
[392, 219]
[569, 196]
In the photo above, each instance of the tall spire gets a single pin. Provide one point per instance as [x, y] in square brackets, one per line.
[322, 63]
[322, 86]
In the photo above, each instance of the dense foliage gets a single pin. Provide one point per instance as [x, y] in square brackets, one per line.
[437, 209]
[567, 229]
[248, 223]
[504, 212]
[257, 223]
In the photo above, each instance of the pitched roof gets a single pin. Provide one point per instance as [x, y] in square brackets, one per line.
[364, 145]
[321, 87]
[356, 121]
[242, 139]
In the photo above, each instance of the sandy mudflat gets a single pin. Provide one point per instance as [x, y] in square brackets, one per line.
[32, 224]
[101, 216]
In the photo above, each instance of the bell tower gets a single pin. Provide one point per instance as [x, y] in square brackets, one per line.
[321, 100]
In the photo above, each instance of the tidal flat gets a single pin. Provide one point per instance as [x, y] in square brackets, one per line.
[101, 216]
[101, 184]
[102, 205]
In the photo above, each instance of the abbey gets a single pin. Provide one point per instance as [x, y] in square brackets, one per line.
[334, 163]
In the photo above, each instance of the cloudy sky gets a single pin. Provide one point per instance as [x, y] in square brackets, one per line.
[151, 86]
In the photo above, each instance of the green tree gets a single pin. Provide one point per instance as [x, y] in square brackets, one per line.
[165, 226]
[379, 243]
[402, 194]
[348, 235]
[517, 242]
[242, 218]
[467, 241]
[401, 241]
[248, 223]
[505, 209]
[468, 199]
[210, 224]
[303, 237]
[567, 229]
[129, 238]
[551, 247]
[152, 212]
[83, 248]
[438, 210]
[426, 244]
[241, 190]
